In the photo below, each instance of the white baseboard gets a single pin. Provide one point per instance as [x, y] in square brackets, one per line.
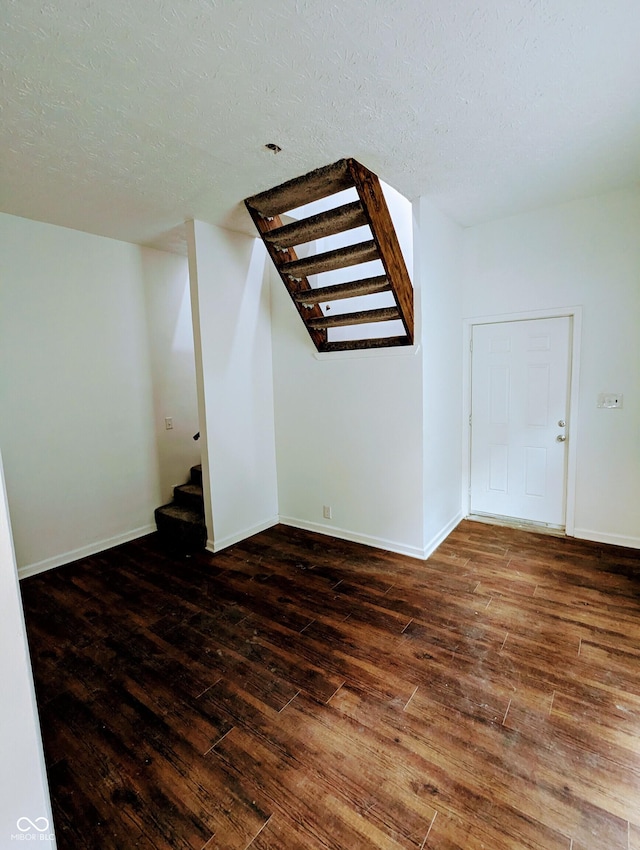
[230, 540]
[84, 551]
[354, 537]
[610, 539]
[224, 542]
[442, 535]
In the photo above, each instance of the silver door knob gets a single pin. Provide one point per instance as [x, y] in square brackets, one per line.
[561, 438]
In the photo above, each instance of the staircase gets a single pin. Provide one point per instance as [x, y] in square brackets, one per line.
[314, 302]
[181, 524]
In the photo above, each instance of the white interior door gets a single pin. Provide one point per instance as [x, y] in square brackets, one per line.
[520, 375]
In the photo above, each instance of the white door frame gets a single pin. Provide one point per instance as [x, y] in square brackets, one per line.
[575, 314]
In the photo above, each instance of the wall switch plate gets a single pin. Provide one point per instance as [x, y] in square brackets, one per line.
[610, 400]
[326, 511]
[168, 423]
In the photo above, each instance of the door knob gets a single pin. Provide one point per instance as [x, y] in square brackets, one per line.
[561, 438]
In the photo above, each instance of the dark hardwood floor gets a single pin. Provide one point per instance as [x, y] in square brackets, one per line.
[296, 692]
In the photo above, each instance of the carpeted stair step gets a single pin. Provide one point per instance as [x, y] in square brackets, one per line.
[189, 496]
[181, 527]
[196, 474]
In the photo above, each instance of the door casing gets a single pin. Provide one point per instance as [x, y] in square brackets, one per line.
[575, 314]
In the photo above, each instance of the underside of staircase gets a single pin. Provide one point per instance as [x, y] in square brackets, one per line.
[315, 301]
[181, 524]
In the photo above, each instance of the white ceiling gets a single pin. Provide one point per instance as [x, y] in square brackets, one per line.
[126, 117]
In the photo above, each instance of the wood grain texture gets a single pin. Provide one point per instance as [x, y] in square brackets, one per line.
[339, 258]
[338, 291]
[299, 191]
[376, 210]
[336, 220]
[371, 209]
[293, 287]
[384, 314]
[359, 344]
[297, 691]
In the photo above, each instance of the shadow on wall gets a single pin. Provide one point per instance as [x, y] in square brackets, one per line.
[171, 348]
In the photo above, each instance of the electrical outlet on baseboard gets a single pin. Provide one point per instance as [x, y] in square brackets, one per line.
[326, 511]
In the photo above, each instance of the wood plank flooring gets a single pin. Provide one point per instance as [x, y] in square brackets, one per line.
[296, 692]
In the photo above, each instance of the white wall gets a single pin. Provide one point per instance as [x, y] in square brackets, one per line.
[23, 783]
[586, 253]
[348, 435]
[168, 302]
[76, 428]
[229, 292]
[438, 246]
[349, 424]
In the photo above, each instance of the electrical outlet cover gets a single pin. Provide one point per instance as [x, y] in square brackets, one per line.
[610, 401]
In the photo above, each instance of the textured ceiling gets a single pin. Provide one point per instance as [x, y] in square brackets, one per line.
[126, 118]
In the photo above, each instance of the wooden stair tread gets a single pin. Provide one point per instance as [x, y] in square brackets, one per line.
[370, 210]
[303, 190]
[351, 289]
[361, 317]
[263, 226]
[358, 344]
[340, 258]
[318, 226]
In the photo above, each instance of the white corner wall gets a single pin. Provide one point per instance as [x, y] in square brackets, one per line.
[438, 246]
[585, 253]
[76, 429]
[230, 301]
[168, 302]
[348, 436]
[23, 778]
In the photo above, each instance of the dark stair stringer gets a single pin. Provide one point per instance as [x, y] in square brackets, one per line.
[181, 523]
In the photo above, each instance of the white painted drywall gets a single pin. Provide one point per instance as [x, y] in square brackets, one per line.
[348, 436]
[168, 302]
[438, 246]
[230, 298]
[349, 425]
[586, 253]
[76, 428]
[23, 782]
